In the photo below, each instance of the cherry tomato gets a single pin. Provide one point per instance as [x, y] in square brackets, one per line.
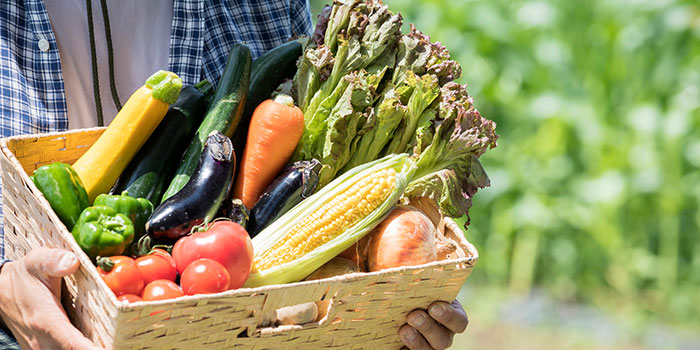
[204, 276]
[157, 266]
[226, 242]
[161, 290]
[129, 298]
[124, 277]
[164, 254]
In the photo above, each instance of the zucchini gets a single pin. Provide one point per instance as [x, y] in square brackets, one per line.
[151, 170]
[223, 115]
[267, 73]
[102, 164]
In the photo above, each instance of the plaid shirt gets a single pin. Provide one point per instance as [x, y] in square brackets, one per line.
[32, 98]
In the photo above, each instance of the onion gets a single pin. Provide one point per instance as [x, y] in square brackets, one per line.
[407, 237]
[356, 255]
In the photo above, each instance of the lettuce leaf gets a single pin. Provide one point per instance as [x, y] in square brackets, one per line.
[313, 68]
[451, 189]
[448, 169]
[389, 113]
[418, 55]
[349, 116]
[424, 90]
[321, 25]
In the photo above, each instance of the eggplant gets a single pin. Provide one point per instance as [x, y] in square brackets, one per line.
[293, 185]
[236, 211]
[198, 202]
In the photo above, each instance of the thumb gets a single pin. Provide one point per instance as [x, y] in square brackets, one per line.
[49, 264]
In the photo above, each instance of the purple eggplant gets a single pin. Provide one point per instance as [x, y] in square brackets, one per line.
[200, 199]
[293, 185]
[236, 211]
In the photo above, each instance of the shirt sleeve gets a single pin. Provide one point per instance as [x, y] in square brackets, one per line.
[300, 13]
[7, 341]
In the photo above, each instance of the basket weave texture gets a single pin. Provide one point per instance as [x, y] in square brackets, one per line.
[365, 312]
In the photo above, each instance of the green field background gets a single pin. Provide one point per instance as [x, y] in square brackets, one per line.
[595, 182]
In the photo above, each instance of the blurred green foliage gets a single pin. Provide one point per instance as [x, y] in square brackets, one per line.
[595, 183]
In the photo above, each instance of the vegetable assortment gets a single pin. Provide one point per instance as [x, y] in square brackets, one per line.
[372, 118]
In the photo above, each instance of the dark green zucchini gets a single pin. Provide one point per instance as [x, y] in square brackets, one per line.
[224, 114]
[268, 72]
[151, 170]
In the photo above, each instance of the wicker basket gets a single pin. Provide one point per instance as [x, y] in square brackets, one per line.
[365, 312]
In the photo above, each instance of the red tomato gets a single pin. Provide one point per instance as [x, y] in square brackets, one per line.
[157, 266]
[204, 276]
[161, 290]
[164, 254]
[129, 298]
[124, 278]
[226, 242]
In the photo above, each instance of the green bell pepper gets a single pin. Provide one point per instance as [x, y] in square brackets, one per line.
[63, 190]
[101, 231]
[137, 209]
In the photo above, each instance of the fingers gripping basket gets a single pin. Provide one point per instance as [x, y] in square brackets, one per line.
[365, 309]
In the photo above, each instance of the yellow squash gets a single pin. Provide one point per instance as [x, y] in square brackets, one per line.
[100, 166]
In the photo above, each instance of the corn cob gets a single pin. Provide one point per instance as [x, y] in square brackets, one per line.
[327, 223]
[330, 221]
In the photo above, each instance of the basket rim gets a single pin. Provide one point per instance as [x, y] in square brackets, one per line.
[350, 277]
[5, 140]
[119, 306]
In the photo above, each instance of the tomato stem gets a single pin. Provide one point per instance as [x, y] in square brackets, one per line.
[105, 263]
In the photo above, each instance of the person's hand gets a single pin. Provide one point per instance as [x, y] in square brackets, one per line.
[434, 329]
[30, 303]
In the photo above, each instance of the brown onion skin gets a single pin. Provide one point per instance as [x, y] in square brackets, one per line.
[405, 238]
[356, 255]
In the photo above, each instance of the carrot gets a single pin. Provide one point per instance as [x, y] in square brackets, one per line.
[275, 129]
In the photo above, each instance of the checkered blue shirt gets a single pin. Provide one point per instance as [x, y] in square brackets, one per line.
[32, 98]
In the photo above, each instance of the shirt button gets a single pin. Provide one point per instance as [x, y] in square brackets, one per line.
[44, 45]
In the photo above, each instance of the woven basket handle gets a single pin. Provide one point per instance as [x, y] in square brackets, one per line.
[279, 303]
